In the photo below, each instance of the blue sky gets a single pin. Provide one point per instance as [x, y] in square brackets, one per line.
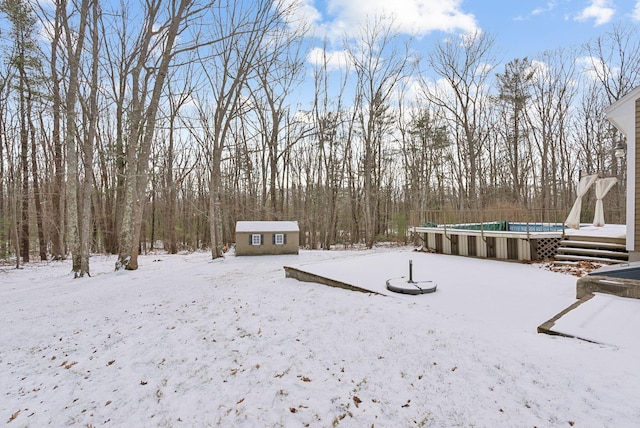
[524, 28]
[521, 27]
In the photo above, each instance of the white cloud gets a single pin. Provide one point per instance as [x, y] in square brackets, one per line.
[540, 70]
[45, 30]
[417, 17]
[48, 5]
[594, 67]
[300, 13]
[635, 15]
[540, 10]
[599, 10]
[551, 5]
[335, 59]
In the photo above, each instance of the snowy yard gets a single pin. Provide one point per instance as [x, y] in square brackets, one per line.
[187, 341]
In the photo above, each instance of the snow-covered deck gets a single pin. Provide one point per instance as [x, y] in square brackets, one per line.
[618, 231]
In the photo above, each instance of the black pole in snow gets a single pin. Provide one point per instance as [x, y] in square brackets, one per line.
[410, 270]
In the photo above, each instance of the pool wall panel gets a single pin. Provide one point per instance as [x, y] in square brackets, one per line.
[463, 247]
[481, 247]
[472, 246]
[431, 241]
[455, 248]
[501, 248]
[524, 250]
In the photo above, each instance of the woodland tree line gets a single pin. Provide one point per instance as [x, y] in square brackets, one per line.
[125, 126]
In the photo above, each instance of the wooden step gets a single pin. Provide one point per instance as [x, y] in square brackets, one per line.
[600, 239]
[593, 244]
[571, 257]
[592, 251]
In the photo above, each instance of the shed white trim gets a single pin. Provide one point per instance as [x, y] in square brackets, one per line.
[267, 226]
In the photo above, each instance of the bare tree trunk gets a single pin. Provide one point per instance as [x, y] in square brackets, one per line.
[74, 47]
[143, 131]
[5, 205]
[14, 223]
[24, 163]
[37, 196]
[87, 149]
[170, 243]
[214, 209]
[57, 197]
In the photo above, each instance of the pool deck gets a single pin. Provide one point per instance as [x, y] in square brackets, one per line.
[618, 231]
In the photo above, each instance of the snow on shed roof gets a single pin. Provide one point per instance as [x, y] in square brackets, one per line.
[267, 226]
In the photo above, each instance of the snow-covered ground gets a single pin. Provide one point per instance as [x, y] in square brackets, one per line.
[187, 341]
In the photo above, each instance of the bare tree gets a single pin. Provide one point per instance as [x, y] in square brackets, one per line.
[614, 60]
[154, 53]
[465, 65]
[240, 35]
[424, 150]
[277, 74]
[74, 44]
[56, 223]
[118, 63]
[27, 66]
[380, 63]
[328, 120]
[91, 118]
[5, 206]
[553, 94]
[177, 159]
[514, 87]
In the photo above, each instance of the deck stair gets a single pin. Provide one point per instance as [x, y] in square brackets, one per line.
[574, 249]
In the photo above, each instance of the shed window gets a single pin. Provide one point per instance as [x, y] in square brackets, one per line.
[279, 239]
[256, 239]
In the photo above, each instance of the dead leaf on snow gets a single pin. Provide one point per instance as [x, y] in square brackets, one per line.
[13, 416]
[357, 400]
[69, 365]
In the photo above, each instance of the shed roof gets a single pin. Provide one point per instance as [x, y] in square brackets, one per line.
[267, 226]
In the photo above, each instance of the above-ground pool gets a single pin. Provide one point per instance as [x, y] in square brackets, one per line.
[496, 239]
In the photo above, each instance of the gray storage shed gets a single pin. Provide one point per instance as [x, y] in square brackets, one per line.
[267, 238]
